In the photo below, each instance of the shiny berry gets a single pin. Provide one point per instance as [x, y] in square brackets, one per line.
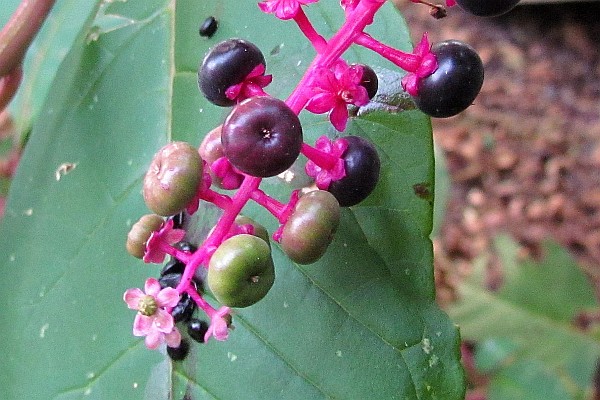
[262, 136]
[211, 150]
[362, 166]
[184, 310]
[172, 179]
[487, 8]
[140, 233]
[241, 271]
[225, 65]
[179, 353]
[309, 230]
[208, 27]
[369, 80]
[197, 328]
[454, 84]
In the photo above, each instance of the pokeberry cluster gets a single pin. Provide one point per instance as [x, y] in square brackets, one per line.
[262, 137]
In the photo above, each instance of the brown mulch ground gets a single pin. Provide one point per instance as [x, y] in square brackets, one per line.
[525, 158]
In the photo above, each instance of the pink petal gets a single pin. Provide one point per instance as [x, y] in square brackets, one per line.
[163, 321]
[423, 47]
[233, 91]
[339, 117]
[154, 339]
[173, 338]
[268, 6]
[152, 287]
[142, 325]
[450, 3]
[174, 236]
[132, 298]
[360, 97]
[167, 297]
[321, 103]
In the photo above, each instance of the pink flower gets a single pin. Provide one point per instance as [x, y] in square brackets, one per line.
[152, 320]
[283, 9]
[427, 66]
[219, 325]
[251, 85]
[323, 176]
[334, 90]
[159, 240]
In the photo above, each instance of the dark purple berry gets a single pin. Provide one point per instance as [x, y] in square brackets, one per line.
[178, 220]
[179, 353]
[197, 328]
[454, 84]
[225, 65]
[262, 136]
[173, 267]
[185, 308]
[369, 80]
[208, 27]
[487, 8]
[362, 172]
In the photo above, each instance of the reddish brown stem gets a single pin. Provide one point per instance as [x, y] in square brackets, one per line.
[9, 85]
[19, 31]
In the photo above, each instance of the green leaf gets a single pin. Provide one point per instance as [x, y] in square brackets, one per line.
[534, 310]
[361, 323]
[45, 54]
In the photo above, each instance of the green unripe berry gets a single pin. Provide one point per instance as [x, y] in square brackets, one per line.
[309, 230]
[241, 271]
[140, 233]
[172, 179]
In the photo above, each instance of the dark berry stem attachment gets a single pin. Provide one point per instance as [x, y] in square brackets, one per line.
[320, 158]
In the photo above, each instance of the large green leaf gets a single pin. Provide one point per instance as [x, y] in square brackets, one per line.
[532, 314]
[360, 323]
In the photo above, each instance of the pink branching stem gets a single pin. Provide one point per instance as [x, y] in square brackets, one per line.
[202, 304]
[309, 31]
[355, 23]
[181, 255]
[202, 255]
[273, 206]
[20, 30]
[407, 61]
[320, 158]
[220, 200]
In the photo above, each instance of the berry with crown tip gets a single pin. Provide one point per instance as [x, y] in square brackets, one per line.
[310, 229]
[362, 165]
[453, 86]
[241, 271]
[140, 233]
[172, 179]
[227, 64]
[369, 80]
[262, 136]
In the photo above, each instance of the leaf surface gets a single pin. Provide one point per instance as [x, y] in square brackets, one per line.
[360, 323]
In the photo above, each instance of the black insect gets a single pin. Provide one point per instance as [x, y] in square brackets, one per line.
[208, 27]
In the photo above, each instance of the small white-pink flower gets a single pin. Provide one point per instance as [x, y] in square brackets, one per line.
[283, 9]
[152, 320]
[219, 325]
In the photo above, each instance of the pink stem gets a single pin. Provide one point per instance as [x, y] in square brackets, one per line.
[202, 304]
[181, 255]
[20, 30]
[221, 229]
[407, 61]
[270, 204]
[220, 200]
[355, 23]
[309, 31]
[320, 158]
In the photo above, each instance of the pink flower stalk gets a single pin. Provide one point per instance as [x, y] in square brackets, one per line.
[152, 320]
[427, 66]
[334, 90]
[251, 85]
[321, 174]
[230, 177]
[219, 327]
[283, 9]
[161, 241]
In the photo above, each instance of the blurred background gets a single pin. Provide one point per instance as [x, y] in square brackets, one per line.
[517, 242]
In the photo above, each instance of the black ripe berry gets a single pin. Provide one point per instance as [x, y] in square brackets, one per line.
[487, 8]
[225, 65]
[208, 27]
[454, 84]
[262, 136]
[183, 311]
[362, 165]
[197, 328]
[369, 80]
[179, 353]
